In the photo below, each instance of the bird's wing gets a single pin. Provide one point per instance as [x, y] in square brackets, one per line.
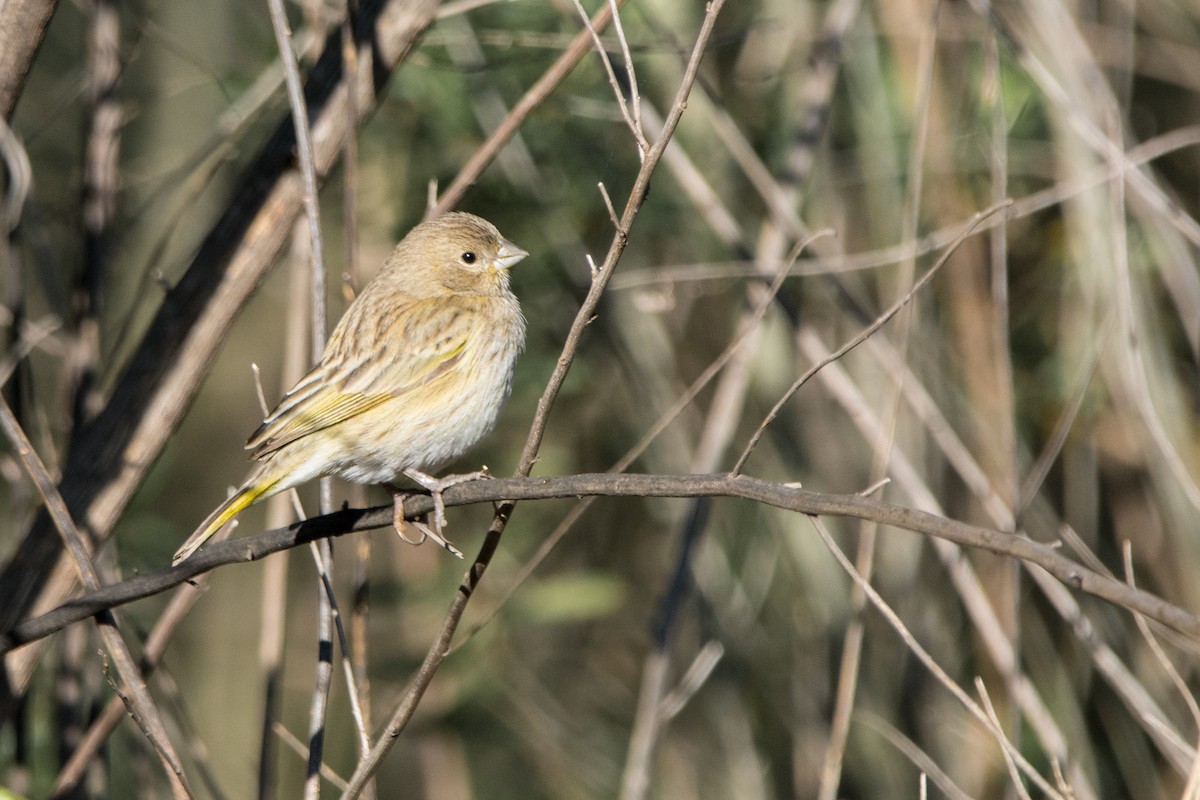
[416, 343]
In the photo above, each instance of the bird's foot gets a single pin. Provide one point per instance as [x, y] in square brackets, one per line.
[436, 486]
[401, 525]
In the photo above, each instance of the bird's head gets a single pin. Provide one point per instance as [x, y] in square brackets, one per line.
[458, 252]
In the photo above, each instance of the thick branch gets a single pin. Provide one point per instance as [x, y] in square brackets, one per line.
[252, 548]
[22, 23]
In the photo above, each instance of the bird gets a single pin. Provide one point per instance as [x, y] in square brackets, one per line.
[413, 375]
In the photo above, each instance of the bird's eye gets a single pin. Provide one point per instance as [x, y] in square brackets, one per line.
[468, 257]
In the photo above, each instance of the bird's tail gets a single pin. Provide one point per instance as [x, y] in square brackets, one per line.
[237, 502]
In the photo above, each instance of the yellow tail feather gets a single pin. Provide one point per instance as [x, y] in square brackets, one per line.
[236, 504]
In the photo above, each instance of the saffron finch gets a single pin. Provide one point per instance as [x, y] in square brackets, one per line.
[414, 374]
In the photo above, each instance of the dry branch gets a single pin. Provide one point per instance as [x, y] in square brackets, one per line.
[779, 495]
[22, 23]
[132, 689]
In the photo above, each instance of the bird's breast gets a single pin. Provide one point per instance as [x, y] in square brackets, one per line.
[436, 423]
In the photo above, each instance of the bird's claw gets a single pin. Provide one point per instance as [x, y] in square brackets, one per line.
[435, 487]
[401, 525]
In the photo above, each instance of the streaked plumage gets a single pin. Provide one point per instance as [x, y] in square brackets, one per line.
[413, 374]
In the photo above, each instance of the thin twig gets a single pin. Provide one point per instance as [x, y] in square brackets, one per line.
[319, 702]
[136, 695]
[281, 509]
[632, 119]
[19, 177]
[634, 94]
[355, 658]
[184, 598]
[517, 164]
[297, 746]
[1192, 789]
[914, 753]
[321, 551]
[33, 335]
[608, 204]
[1066, 418]
[997, 730]
[356, 711]
[532, 98]
[308, 170]
[693, 678]
[635, 778]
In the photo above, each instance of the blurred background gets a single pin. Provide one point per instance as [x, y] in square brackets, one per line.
[1045, 381]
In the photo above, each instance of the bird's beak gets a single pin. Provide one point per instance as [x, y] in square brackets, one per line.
[508, 254]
